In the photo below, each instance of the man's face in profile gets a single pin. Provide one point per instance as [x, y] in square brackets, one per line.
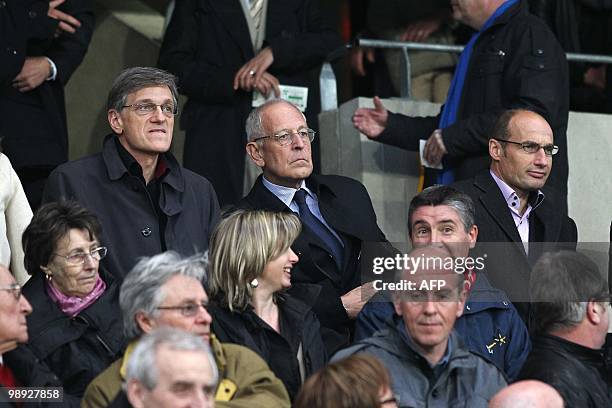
[14, 308]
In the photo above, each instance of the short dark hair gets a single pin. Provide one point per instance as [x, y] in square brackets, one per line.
[561, 284]
[501, 129]
[444, 195]
[51, 223]
[136, 78]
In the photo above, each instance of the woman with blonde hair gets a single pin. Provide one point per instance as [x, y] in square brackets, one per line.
[250, 268]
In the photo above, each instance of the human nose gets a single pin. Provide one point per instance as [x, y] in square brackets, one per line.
[158, 114]
[297, 141]
[429, 306]
[203, 315]
[24, 305]
[541, 158]
[293, 258]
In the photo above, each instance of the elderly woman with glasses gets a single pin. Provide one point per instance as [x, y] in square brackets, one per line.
[75, 330]
[250, 267]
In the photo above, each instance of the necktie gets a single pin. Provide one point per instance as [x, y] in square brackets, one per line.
[311, 222]
[256, 9]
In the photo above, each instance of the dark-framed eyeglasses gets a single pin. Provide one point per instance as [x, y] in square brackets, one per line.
[187, 310]
[147, 108]
[285, 137]
[14, 288]
[533, 147]
[80, 257]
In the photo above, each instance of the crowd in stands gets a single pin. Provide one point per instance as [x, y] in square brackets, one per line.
[129, 286]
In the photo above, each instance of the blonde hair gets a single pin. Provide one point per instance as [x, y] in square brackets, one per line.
[241, 246]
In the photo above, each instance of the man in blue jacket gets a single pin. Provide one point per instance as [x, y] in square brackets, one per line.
[490, 325]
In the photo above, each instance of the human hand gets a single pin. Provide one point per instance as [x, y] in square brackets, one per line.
[596, 77]
[67, 23]
[420, 30]
[354, 300]
[371, 122]
[434, 148]
[33, 73]
[268, 83]
[251, 72]
[357, 58]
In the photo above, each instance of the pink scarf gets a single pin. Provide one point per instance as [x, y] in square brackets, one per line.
[73, 305]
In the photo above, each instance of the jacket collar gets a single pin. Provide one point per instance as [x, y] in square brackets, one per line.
[392, 341]
[170, 199]
[495, 204]
[520, 8]
[588, 356]
[484, 296]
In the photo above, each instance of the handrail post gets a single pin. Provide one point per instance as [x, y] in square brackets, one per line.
[405, 75]
[327, 85]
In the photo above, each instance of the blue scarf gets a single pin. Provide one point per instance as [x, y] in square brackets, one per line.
[449, 113]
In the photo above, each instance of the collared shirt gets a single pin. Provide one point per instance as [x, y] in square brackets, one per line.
[153, 187]
[437, 368]
[285, 194]
[512, 200]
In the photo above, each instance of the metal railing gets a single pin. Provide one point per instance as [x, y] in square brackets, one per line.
[327, 79]
[405, 85]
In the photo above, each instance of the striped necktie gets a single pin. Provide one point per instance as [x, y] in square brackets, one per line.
[311, 222]
[256, 9]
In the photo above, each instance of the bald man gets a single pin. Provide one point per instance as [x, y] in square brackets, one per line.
[516, 206]
[527, 394]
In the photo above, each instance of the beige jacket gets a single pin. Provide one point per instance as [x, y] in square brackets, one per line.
[15, 215]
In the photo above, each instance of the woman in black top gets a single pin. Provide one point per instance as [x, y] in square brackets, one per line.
[251, 261]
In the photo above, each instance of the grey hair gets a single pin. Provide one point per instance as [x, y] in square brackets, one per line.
[141, 288]
[254, 123]
[444, 195]
[142, 364]
[561, 285]
[133, 79]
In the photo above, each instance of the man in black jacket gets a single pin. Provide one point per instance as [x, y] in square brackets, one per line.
[572, 314]
[223, 51]
[35, 135]
[515, 62]
[336, 214]
[146, 202]
[518, 216]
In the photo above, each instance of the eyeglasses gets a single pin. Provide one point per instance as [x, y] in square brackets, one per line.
[285, 137]
[188, 310]
[144, 109]
[15, 289]
[533, 147]
[79, 258]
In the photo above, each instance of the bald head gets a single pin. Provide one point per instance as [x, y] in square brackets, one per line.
[527, 394]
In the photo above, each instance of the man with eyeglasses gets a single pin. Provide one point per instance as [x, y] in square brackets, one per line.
[515, 206]
[512, 60]
[336, 213]
[428, 364]
[147, 203]
[166, 291]
[13, 327]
